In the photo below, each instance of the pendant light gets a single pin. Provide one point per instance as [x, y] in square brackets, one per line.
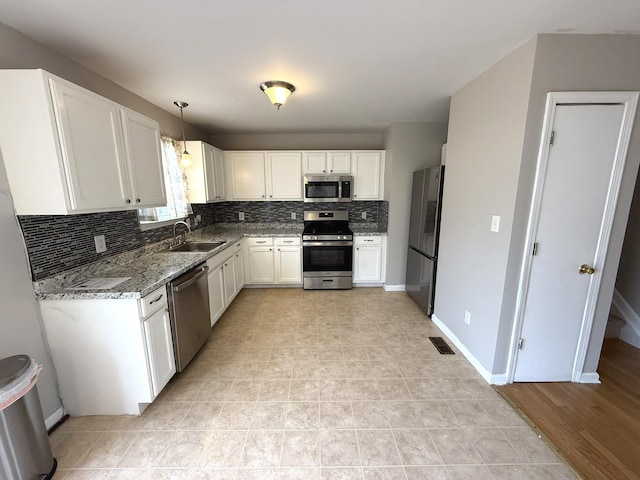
[277, 91]
[185, 159]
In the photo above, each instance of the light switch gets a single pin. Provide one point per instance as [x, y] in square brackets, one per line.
[495, 223]
[101, 244]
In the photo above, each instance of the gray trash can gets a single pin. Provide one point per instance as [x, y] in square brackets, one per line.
[25, 453]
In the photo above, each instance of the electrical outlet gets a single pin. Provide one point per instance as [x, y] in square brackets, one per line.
[101, 244]
[240, 215]
[364, 215]
[199, 218]
[293, 215]
[467, 317]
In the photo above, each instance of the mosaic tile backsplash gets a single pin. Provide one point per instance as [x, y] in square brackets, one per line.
[56, 243]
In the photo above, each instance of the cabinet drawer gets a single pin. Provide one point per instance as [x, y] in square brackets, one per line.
[220, 258]
[237, 246]
[154, 301]
[259, 241]
[374, 240]
[287, 241]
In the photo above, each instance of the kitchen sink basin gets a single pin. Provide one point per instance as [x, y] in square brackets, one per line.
[194, 247]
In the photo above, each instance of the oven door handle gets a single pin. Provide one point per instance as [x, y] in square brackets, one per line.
[336, 243]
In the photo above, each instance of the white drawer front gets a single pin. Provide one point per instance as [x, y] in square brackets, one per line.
[153, 302]
[287, 241]
[260, 241]
[373, 240]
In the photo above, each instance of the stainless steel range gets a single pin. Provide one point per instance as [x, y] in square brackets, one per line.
[327, 250]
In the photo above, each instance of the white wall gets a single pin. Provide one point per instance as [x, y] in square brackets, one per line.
[484, 148]
[298, 141]
[628, 280]
[409, 146]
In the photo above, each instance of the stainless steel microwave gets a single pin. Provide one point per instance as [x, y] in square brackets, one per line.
[327, 188]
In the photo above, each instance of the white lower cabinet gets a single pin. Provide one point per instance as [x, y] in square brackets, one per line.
[112, 356]
[238, 265]
[162, 365]
[223, 286]
[288, 260]
[274, 260]
[217, 304]
[369, 259]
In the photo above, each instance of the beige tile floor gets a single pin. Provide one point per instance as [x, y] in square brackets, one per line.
[295, 384]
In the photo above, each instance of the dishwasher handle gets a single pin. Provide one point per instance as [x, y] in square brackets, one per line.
[200, 272]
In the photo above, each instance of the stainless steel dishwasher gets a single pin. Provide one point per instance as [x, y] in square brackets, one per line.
[189, 311]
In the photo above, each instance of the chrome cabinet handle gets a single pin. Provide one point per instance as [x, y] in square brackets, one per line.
[261, 241]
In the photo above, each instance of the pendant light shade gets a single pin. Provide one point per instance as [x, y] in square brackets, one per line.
[185, 159]
[277, 91]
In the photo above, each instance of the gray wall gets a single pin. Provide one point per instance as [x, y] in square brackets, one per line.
[494, 135]
[486, 130]
[582, 63]
[298, 141]
[409, 146]
[628, 280]
[19, 323]
[20, 51]
[20, 319]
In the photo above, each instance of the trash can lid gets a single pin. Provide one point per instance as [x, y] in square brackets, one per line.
[12, 367]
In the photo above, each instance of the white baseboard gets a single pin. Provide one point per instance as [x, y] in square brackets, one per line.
[395, 288]
[630, 332]
[493, 379]
[589, 377]
[54, 418]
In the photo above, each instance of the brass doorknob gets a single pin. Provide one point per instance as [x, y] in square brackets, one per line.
[588, 269]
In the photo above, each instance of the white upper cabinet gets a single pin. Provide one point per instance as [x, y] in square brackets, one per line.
[247, 176]
[368, 175]
[326, 163]
[284, 175]
[205, 177]
[264, 175]
[142, 148]
[90, 153]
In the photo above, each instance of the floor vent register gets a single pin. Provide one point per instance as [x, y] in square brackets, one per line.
[442, 346]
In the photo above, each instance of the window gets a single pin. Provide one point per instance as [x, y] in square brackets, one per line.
[177, 205]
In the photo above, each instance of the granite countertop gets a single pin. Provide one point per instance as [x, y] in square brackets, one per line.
[148, 267]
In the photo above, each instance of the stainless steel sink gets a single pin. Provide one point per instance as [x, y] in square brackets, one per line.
[194, 247]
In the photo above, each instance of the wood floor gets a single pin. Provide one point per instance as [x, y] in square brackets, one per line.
[596, 428]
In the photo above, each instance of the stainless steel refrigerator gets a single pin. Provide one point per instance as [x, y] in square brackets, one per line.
[424, 230]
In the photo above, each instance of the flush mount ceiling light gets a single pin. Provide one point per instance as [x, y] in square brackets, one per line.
[277, 91]
[185, 159]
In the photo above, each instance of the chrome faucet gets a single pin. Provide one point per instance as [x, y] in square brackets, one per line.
[183, 235]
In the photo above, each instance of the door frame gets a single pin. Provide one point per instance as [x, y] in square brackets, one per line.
[629, 100]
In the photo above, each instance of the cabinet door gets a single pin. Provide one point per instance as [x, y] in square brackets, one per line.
[284, 175]
[339, 162]
[315, 163]
[209, 172]
[238, 266]
[367, 264]
[92, 148]
[247, 175]
[218, 174]
[288, 265]
[368, 171]
[157, 332]
[216, 294]
[144, 158]
[229, 276]
[261, 268]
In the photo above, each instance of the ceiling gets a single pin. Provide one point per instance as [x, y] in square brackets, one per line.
[358, 65]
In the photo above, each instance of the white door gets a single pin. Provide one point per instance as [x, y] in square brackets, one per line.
[288, 265]
[367, 264]
[571, 226]
[367, 173]
[247, 175]
[261, 266]
[216, 294]
[209, 172]
[218, 172]
[157, 331]
[229, 276]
